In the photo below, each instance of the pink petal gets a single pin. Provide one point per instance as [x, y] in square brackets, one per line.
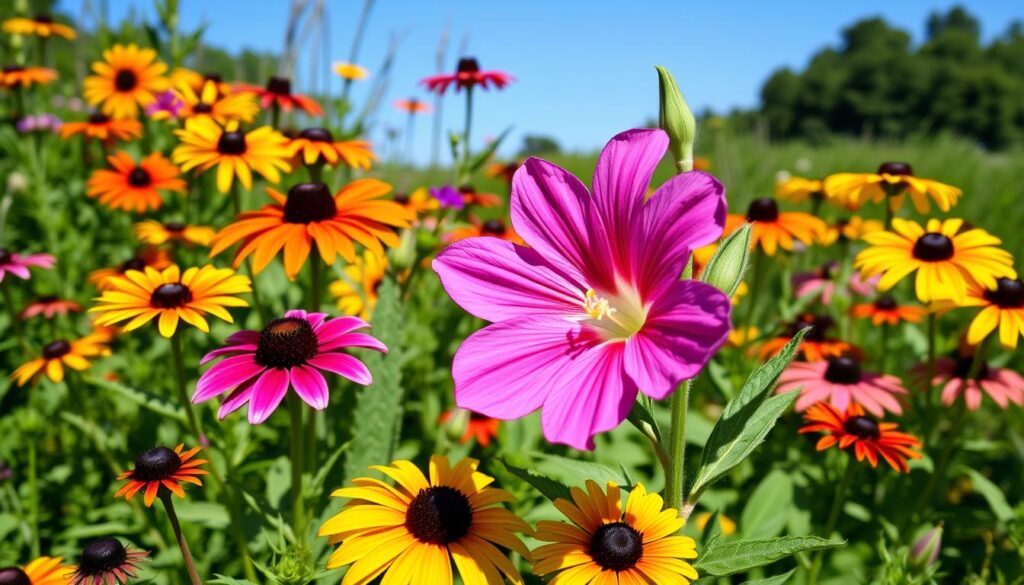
[244, 336]
[245, 347]
[343, 365]
[295, 314]
[310, 385]
[236, 399]
[496, 280]
[226, 375]
[19, 270]
[40, 260]
[354, 340]
[340, 326]
[684, 328]
[267, 394]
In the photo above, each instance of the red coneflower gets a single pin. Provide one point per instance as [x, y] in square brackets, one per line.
[870, 438]
[101, 127]
[49, 306]
[817, 344]
[413, 106]
[467, 75]
[953, 375]
[278, 91]
[478, 426]
[161, 468]
[886, 310]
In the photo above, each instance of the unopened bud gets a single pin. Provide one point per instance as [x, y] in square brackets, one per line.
[727, 266]
[925, 551]
[676, 119]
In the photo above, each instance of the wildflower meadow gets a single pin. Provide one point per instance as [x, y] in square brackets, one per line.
[252, 335]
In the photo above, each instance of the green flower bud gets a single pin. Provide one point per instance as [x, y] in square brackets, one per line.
[677, 120]
[404, 256]
[292, 569]
[727, 266]
[925, 551]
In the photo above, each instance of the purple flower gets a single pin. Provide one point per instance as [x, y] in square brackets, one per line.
[18, 264]
[448, 196]
[39, 123]
[593, 311]
[167, 105]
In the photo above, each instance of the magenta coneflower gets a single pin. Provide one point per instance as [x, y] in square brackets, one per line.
[1002, 385]
[593, 311]
[107, 562]
[18, 264]
[49, 306]
[840, 380]
[467, 75]
[825, 282]
[288, 352]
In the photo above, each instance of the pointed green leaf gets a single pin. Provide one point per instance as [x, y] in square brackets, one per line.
[484, 155]
[993, 495]
[736, 556]
[776, 580]
[550, 488]
[768, 506]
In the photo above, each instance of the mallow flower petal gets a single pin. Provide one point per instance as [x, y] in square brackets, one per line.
[684, 328]
[497, 280]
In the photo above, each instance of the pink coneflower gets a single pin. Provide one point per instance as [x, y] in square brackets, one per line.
[18, 264]
[593, 310]
[50, 306]
[166, 107]
[288, 352]
[1002, 385]
[107, 561]
[824, 282]
[467, 75]
[840, 380]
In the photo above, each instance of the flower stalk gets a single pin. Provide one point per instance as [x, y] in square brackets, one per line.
[833, 518]
[177, 356]
[186, 554]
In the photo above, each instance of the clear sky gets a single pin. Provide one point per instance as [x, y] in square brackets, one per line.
[584, 69]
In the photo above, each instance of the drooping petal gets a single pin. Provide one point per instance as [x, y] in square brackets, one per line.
[343, 365]
[225, 375]
[267, 394]
[311, 386]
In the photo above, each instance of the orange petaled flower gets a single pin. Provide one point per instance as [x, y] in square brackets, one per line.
[135, 187]
[60, 354]
[42, 571]
[310, 214]
[161, 470]
[773, 229]
[894, 180]
[41, 25]
[870, 438]
[211, 102]
[278, 93]
[205, 144]
[1002, 309]
[816, 346]
[156, 233]
[185, 77]
[420, 201]
[128, 77]
[477, 426]
[470, 196]
[357, 291]
[851, 229]
[503, 170]
[101, 127]
[141, 296]
[886, 310]
[495, 228]
[413, 106]
[150, 256]
[317, 146]
[16, 76]
[49, 306]
[799, 189]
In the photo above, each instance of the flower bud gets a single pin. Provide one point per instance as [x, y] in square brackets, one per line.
[17, 182]
[677, 120]
[925, 551]
[727, 266]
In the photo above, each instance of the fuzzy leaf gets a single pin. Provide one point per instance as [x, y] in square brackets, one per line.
[550, 488]
[725, 558]
[768, 506]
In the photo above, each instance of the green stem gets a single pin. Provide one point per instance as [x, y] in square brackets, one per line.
[316, 277]
[298, 501]
[33, 497]
[833, 518]
[756, 275]
[316, 172]
[13, 314]
[888, 214]
[186, 554]
[465, 137]
[177, 355]
[886, 333]
[674, 475]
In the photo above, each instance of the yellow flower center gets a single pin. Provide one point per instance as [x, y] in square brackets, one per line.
[616, 317]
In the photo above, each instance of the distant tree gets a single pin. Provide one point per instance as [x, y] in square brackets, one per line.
[538, 144]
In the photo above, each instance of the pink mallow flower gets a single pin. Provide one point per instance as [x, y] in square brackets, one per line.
[839, 380]
[18, 264]
[1002, 385]
[289, 352]
[824, 282]
[593, 311]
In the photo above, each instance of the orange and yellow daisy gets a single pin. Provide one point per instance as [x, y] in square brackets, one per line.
[42, 571]
[609, 544]
[59, 354]
[132, 186]
[310, 214]
[101, 127]
[40, 25]
[169, 295]
[849, 229]
[317, 146]
[413, 106]
[211, 102]
[350, 71]
[185, 77]
[161, 470]
[871, 439]
[420, 201]
[800, 189]
[479, 427]
[157, 233]
[17, 76]
[421, 525]
[773, 229]
[817, 344]
[886, 310]
[946, 259]
[278, 94]
[127, 78]
[1002, 308]
[205, 144]
[150, 256]
[357, 292]
[894, 180]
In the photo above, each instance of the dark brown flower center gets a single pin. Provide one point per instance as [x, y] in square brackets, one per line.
[895, 168]
[43, 19]
[862, 427]
[5, 255]
[317, 135]
[763, 209]
[125, 80]
[309, 202]
[132, 264]
[202, 108]
[963, 367]
[156, 464]
[286, 342]
[14, 576]
[279, 85]
[885, 303]
[819, 325]
[56, 350]
[98, 118]
[102, 556]
[468, 65]
[828, 270]
[843, 370]
[494, 227]
[13, 69]
[616, 546]
[1009, 293]
[401, 198]
[231, 143]
[139, 177]
[174, 226]
[46, 299]
[439, 515]
[933, 247]
[170, 296]
[214, 77]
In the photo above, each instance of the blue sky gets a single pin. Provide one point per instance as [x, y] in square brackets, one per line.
[584, 69]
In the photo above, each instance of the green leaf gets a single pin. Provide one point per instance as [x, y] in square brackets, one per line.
[576, 472]
[642, 417]
[209, 514]
[144, 399]
[225, 580]
[378, 412]
[746, 420]
[776, 580]
[725, 558]
[767, 508]
[551, 489]
[484, 155]
[993, 495]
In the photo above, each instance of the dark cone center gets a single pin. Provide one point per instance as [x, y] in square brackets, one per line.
[156, 464]
[933, 247]
[102, 556]
[98, 118]
[125, 80]
[286, 342]
[829, 270]
[401, 198]
[763, 209]
[885, 303]
[170, 295]
[46, 299]
[617, 546]
[14, 576]
[139, 177]
[214, 77]
[819, 325]
[317, 135]
[862, 427]
[843, 370]
[963, 368]
[133, 264]
[439, 515]
[174, 226]
[280, 85]
[895, 168]
[5, 255]
[202, 108]
[494, 227]
[1009, 293]
[56, 349]
[231, 143]
[13, 68]
[309, 202]
[468, 65]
